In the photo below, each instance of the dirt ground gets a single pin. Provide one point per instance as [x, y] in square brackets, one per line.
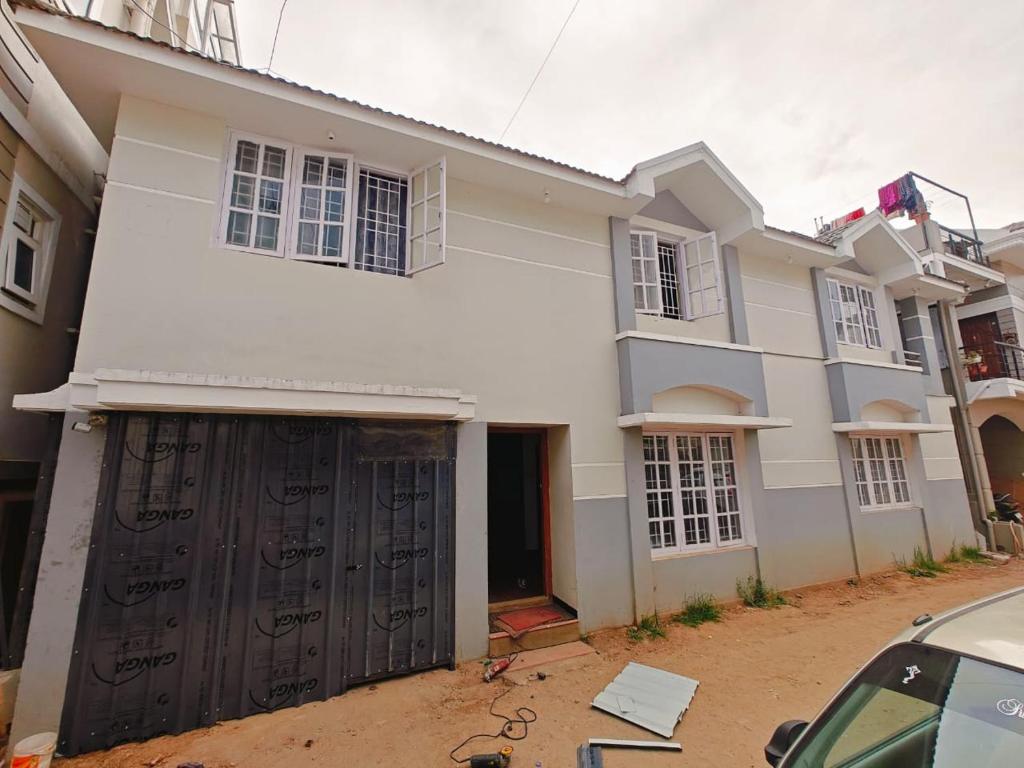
[756, 668]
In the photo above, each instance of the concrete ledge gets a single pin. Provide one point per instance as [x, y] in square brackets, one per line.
[909, 427]
[673, 420]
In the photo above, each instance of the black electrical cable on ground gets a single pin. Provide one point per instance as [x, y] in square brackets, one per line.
[522, 716]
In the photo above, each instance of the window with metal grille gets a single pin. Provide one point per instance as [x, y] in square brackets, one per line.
[668, 272]
[880, 472]
[380, 223]
[319, 206]
[26, 252]
[693, 494]
[854, 315]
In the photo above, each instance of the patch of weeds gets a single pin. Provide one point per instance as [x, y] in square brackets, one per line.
[649, 628]
[756, 594]
[965, 554]
[698, 610]
[922, 566]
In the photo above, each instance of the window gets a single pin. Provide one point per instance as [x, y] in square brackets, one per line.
[676, 280]
[854, 314]
[880, 472]
[26, 252]
[692, 491]
[318, 206]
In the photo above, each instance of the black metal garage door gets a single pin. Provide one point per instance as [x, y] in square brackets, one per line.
[243, 564]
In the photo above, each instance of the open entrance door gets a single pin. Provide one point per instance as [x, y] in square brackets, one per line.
[518, 540]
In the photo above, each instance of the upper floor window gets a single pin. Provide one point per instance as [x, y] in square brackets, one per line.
[693, 497]
[302, 204]
[854, 314]
[880, 472]
[679, 280]
[26, 252]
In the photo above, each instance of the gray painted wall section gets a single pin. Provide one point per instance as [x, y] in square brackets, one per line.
[894, 322]
[948, 513]
[852, 386]
[667, 207]
[681, 576]
[734, 295]
[471, 541]
[803, 536]
[603, 563]
[51, 632]
[622, 275]
[649, 366]
[887, 537]
[639, 539]
[826, 330]
[922, 337]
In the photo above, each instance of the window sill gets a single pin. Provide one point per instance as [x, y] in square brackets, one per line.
[891, 508]
[656, 557]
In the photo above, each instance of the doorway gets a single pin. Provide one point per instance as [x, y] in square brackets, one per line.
[518, 523]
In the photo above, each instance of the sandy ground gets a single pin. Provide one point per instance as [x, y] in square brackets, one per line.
[756, 668]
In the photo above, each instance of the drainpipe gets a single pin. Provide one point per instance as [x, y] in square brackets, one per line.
[977, 469]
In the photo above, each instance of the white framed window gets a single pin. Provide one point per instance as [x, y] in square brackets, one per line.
[27, 248]
[646, 283]
[679, 280]
[854, 314]
[702, 277]
[320, 206]
[693, 492]
[880, 471]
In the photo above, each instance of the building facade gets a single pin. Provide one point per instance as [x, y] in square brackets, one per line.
[353, 387]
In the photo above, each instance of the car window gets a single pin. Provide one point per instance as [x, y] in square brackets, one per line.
[920, 707]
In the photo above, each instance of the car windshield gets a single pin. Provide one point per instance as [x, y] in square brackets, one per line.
[920, 707]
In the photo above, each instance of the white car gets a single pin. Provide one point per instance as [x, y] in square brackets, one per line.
[947, 693]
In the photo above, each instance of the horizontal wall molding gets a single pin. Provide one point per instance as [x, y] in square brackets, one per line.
[686, 340]
[530, 262]
[164, 192]
[872, 364]
[595, 498]
[156, 145]
[524, 228]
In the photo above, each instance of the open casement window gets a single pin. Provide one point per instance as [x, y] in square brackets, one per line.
[702, 276]
[693, 496]
[646, 283]
[27, 250]
[854, 314]
[880, 472]
[321, 207]
[257, 188]
[427, 217]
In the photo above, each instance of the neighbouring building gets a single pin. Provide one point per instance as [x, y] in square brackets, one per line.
[48, 158]
[353, 388]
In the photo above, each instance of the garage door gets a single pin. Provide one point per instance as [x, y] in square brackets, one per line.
[243, 564]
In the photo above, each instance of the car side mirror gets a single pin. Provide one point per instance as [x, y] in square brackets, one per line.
[783, 738]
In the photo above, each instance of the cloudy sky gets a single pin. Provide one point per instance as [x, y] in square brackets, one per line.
[812, 105]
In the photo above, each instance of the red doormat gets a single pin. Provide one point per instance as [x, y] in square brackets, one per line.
[523, 620]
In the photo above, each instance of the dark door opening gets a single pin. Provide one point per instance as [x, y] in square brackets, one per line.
[517, 524]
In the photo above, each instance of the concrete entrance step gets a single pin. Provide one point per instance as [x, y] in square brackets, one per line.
[526, 629]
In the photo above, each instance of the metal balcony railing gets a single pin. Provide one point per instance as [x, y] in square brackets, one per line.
[1000, 361]
[958, 244]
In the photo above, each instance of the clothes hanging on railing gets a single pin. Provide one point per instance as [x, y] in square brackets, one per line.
[900, 195]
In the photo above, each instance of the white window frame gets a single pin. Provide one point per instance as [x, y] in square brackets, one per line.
[896, 492]
[705, 243]
[438, 228]
[28, 304]
[299, 155]
[684, 275]
[712, 514]
[646, 280]
[287, 246]
[861, 327]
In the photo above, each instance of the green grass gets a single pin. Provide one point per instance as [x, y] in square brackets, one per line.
[698, 610]
[756, 594]
[965, 554]
[648, 628]
[922, 566]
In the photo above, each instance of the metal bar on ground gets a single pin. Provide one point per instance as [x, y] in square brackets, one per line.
[667, 746]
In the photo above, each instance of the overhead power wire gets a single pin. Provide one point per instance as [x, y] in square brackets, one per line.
[277, 31]
[541, 69]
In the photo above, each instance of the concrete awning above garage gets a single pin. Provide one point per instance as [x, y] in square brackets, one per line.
[119, 390]
[702, 421]
[880, 427]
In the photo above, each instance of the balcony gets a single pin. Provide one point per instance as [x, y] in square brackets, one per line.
[958, 244]
[994, 371]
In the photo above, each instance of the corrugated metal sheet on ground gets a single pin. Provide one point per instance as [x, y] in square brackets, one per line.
[648, 697]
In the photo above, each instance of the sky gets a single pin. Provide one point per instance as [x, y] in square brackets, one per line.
[812, 105]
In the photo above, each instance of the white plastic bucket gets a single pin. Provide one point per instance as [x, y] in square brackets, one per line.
[35, 751]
